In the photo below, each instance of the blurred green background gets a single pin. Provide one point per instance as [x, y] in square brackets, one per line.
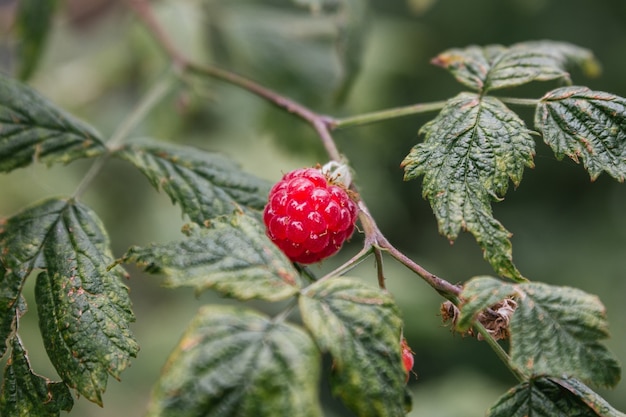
[567, 230]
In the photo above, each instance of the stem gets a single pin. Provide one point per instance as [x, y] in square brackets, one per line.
[152, 97]
[378, 116]
[504, 357]
[345, 267]
[531, 102]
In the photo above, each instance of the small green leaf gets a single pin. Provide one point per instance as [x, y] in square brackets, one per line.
[233, 256]
[555, 331]
[552, 397]
[33, 129]
[587, 126]
[26, 394]
[470, 152]
[34, 19]
[237, 362]
[205, 185]
[84, 308]
[360, 326]
[494, 66]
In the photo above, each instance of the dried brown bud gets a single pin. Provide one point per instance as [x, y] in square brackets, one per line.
[494, 319]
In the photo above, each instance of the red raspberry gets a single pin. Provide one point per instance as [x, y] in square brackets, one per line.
[407, 357]
[308, 217]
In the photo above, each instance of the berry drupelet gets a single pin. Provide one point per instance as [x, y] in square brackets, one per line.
[308, 216]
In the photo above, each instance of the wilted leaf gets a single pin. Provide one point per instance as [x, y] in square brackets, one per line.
[205, 185]
[239, 363]
[552, 397]
[26, 394]
[494, 66]
[587, 126]
[34, 19]
[470, 152]
[554, 331]
[360, 326]
[33, 129]
[233, 256]
[84, 309]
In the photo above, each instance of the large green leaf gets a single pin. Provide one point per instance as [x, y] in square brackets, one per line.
[26, 394]
[205, 185]
[240, 363]
[587, 126]
[360, 326]
[84, 308]
[494, 66]
[233, 256]
[470, 152]
[34, 19]
[33, 129]
[555, 331]
[552, 397]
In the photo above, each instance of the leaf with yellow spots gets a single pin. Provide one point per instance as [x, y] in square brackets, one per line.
[555, 331]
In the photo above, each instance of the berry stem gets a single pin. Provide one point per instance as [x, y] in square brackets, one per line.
[500, 352]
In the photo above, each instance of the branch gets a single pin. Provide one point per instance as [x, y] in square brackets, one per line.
[374, 239]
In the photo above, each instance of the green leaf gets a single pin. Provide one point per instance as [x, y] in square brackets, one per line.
[21, 239]
[587, 126]
[34, 19]
[237, 362]
[470, 152]
[360, 326]
[552, 397]
[494, 66]
[26, 394]
[12, 306]
[555, 331]
[233, 256]
[33, 129]
[205, 185]
[84, 308]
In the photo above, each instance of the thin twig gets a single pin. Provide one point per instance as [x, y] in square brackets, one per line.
[150, 99]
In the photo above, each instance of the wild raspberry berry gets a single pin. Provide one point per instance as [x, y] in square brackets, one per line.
[309, 217]
[407, 357]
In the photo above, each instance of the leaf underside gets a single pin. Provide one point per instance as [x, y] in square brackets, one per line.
[555, 331]
[83, 307]
[587, 126]
[360, 326]
[33, 129]
[552, 397]
[205, 185]
[237, 362]
[470, 152]
[233, 256]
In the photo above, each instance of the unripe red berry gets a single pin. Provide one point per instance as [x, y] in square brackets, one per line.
[407, 357]
[309, 217]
